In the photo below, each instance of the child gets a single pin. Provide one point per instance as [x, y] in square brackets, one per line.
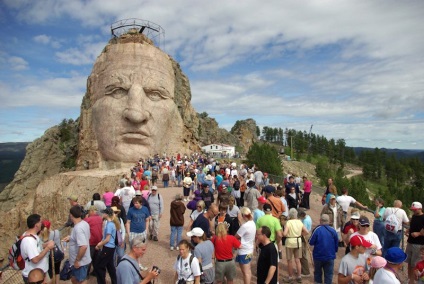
[377, 262]
[419, 268]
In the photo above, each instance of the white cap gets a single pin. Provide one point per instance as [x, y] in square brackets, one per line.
[198, 232]
[416, 205]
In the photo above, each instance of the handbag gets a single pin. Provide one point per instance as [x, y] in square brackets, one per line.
[57, 252]
[65, 273]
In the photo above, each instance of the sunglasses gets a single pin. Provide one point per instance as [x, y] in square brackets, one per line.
[366, 226]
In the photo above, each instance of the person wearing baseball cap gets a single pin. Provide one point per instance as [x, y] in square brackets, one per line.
[352, 266]
[415, 237]
[258, 212]
[251, 196]
[389, 274]
[371, 237]
[271, 222]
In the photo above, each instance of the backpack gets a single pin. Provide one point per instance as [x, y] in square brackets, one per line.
[84, 213]
[236, 185]
[190, 261]
[16, 261]
[148, 196]
[392, 223]
[118, 238]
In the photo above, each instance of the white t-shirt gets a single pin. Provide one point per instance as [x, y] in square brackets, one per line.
[344, 201]
[195, 214]
[399, 212]
[182, 266]
[372, 238]
[30, 248]
[127, 194]
[247, 233]
[385, 276]
[233, 213]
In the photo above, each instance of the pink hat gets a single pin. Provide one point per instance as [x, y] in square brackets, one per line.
[378, 262]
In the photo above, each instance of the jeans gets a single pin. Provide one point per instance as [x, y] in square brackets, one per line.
[391, 240]
[326, 266]
[178, 230]
[380, 230]
[179, 180]
[165, 183]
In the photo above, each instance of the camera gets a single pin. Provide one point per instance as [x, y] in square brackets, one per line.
[181, 281]
[155, 268]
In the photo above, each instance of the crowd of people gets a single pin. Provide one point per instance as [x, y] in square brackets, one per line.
[237, 214]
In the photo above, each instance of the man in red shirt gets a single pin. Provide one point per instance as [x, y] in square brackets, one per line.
[95, 222]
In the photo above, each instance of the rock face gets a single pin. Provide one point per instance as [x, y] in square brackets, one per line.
[137, 104]
[245, 133]
[242, 134]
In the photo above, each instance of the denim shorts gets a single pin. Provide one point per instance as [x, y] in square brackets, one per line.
[244, 258]
[80, 274]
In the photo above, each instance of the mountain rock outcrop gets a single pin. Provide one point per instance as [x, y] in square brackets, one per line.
[137, 104]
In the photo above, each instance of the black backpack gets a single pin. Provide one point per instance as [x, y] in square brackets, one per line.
[190, 261]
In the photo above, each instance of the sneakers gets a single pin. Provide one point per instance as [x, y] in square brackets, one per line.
[150, 237]
[172, 248]
[155, 238]
[299, 280]
[288, 280]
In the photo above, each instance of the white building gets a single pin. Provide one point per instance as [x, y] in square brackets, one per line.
[219, 150]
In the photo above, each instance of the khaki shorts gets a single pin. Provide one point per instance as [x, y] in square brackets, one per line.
[225, 269]
[413, 252]
[292, 252]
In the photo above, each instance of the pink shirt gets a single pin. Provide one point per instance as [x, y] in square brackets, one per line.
[307, 186]
[107, 198]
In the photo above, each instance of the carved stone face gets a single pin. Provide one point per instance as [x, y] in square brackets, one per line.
[133, 111]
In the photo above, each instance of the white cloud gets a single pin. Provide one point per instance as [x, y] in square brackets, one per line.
[44, 39]
[51, 92]
[47, 40]
[17, 63]
[353, 65]
[84, 55]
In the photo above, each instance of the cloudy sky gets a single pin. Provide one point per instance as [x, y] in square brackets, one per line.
[352, 69]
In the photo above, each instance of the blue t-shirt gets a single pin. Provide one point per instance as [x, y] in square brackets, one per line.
[218, 179]
[202, 223]
[148, 173]
[307, 222]
[138, 219]
[110, 229]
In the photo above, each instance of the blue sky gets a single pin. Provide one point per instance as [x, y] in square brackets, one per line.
[353, 69]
